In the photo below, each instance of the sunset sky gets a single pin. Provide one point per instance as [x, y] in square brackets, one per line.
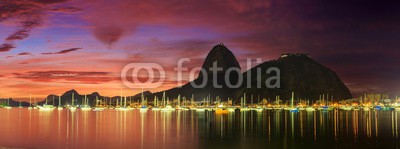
[51, 46]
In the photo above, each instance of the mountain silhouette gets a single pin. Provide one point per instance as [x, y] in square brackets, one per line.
[299, 74]
[224, 59]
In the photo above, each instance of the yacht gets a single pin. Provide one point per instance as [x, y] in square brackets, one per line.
[143, 108]
[8, 105]
[167, 108]
[30, 102]
[72, 107]
[310, 109]
[98, 107]
[46, 107]
[292, 108]
[221, 110]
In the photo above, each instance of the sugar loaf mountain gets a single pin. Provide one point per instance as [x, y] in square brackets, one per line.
[298, 73]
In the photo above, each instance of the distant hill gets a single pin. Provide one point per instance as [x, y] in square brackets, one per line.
[300, 74]
[66, 98]
[13, 103]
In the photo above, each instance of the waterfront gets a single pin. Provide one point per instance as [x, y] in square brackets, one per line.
[23, 128]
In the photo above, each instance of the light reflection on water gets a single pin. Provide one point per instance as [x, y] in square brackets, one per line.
[189, 129]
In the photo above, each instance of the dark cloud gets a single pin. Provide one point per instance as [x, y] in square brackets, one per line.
[11, 9]
[66, 9]
[6, 47]
[49, 1]
[108, 34]
[24, 53]
[113, 20]
[29, 13]
[63, 51]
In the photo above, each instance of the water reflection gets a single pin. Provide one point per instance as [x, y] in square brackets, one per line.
[190, 129]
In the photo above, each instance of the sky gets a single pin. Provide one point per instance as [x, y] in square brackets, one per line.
[51, 46]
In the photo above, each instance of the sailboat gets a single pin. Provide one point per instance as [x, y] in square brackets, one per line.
[192, 104]
[155, 104]
[166, 107]
[230, 108]
[243, 103]
[178, 107]
[85, 106]
[184, 106]
[36, 105]
[97, 107]
[72, 107]
[220, 109]
[325, 107]
[143, 107]
[20, 106]
[292, 107]
[46, 107]
[8, 105]
[119, 105]
[124, 108]
[30, 102]
[202, 109]
[310, 108]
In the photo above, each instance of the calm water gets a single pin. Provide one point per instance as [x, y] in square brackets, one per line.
[23, 128]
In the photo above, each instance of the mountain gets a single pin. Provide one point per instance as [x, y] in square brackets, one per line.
[13, 103]
[299, 74]
[224, 59]
[222, 56]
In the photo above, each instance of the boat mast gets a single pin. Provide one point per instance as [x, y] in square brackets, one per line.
[125, 102]
[72, 100]
[163, 98]
[142, 97]
[85, 103]
[192, 100]
[155, 101]
[179, 100]
[244, 99]
[59, 100]
[121, 99]
[291, 102]
[241, 101]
